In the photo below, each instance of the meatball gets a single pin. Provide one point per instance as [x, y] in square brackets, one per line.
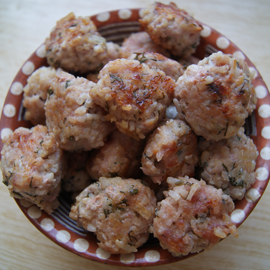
[134, 96]
[77, 123]
[171, 28]
[138, 43]
[120, 156]
[170, 151]
[229, 164]
[75, 45]
[119, 211]
[192, 217]
[35, 94]
[214, 96]
[33, 165]
[76, 178]
[158, 61]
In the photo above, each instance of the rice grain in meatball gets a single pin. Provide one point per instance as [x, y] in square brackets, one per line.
[77, 123]
[134, 96]
[170, 151]
[33, 165]
[119, 211]
[192, 217]
[171, 28]
[138, 43]
[229, 164]
[214, 96]
[35, 94]
[119, 156]
[75, 45]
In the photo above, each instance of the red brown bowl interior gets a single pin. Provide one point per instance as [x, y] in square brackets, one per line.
[115, 26]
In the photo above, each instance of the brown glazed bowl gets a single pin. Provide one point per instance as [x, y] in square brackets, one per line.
[115, 26]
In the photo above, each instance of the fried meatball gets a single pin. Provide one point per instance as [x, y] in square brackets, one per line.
[75, 45]
[193, 217]
[171, 28]
[134, 96]
[120, 156]
[138, 43]
[119, 211]
[35, 94]
[170, 151]
[32, 165]
[214, 96]
[229, 164]
[76, 178]
[77, 123]
[158, 61]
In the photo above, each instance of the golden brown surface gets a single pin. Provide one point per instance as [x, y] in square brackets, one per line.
[24, 26]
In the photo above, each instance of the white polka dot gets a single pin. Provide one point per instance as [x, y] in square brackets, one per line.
[124, 14]
[103, 17]
[152, 256]
[223, 42]
[239, 55]
[262, 174]
[261, 91]
[9, 110]
[16, 88]
[252, 195]
[266, 132]
[265, 153]
[34, 212]
[102, 254]
[63, 236]
[81, 245]
[238, 216]
[47, 224]
[41, 51]
[253, 72]
[206, 32]
[28, 68]
[141, 11]
[5, 132]
[25, 203]
[264, 111]
[127, 258]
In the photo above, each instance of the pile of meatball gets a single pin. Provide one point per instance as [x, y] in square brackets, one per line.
[144, 137]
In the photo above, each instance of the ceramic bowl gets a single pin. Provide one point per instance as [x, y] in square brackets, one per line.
[115, 26]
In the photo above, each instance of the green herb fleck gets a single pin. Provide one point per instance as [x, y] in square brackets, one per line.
[50, 92]
[115, 78]
[132, 238]
[66, 84]
[71, 138]
[134, 191]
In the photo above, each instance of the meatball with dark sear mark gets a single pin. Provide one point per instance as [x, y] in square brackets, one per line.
[78, 123]
[75, 45]
[192, 217]
[170, 151]
[138, 43]
[120, 156]
[33, 165]
[171, 28]
[229, 164]
[214, 96]
[134, 96]
[119, 211]
[158, 61]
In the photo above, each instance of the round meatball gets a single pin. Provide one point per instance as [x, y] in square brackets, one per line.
[192, 217]
[75, 45]
[33, 165]
[158, 61]
[134, 96]
[170, 151]
[76, 178]
[77, 123]
[214, 96]
[120, 156]
[119, 211]
[35, 94]
[138, 43]
[229, 164]
[171, 28]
